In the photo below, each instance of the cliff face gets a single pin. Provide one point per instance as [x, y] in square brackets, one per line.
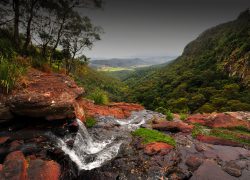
[229, 46]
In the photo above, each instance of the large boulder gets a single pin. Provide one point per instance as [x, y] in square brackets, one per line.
[5, 113]
[172, 126]
[221, 120]
[217, 141]
[157, 148]
[46, 95]
[43, 170]
[14, 166]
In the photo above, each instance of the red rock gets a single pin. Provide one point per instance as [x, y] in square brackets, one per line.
[197, 118]
[219, 120]
[157, 148]
[173, 126]
[193, 162]
[223, 120]
[15, 145]
[47, 95]
[43, 170]
[118, 110]
[14, 166]
[4, 140]
[217, 141]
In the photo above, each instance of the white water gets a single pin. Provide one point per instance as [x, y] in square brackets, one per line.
[89, 153]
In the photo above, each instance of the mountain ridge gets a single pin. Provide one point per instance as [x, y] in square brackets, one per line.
[211, 66]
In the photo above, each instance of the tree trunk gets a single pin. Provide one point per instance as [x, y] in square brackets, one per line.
[28, 29]
[16, 5]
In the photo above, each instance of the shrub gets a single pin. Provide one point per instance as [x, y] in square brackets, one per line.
[207, 108]
[183, 116]
[99, 97]
[90, 122]
[161, 110]
[149, 136]
[169, 115]
[9, 74]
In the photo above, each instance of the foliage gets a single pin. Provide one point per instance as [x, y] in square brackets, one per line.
[99, 97]
[199, 130]
[183, 116]
[149, 136]
[169, 115]
[10, 71]
[90, 122]
[91, 80]
[212, 74]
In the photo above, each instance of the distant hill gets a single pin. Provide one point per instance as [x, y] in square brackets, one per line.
[212, 74]
[130, 62]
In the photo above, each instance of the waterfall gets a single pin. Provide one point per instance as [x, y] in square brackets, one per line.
[88, 153]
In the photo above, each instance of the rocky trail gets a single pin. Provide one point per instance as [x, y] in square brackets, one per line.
[43, 137]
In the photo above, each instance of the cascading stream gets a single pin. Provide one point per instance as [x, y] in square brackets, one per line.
[88, 152]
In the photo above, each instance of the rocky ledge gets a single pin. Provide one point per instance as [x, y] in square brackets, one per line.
[42, 106]
[53, 96]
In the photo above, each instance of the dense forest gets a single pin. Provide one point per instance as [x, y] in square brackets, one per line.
[212, 74]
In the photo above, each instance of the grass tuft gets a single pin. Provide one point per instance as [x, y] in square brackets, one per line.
[99, 97]
[90, 122]
[149, 136]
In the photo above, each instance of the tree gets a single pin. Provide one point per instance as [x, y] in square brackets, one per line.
[79, 34]
[16, 9]
[30, 7]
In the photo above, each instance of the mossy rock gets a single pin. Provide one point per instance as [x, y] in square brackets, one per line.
[149, 136]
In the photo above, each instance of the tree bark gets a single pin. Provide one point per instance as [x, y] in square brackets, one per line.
[16, 5]
[28, 29]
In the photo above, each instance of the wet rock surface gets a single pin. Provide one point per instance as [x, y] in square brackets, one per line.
[191, 158]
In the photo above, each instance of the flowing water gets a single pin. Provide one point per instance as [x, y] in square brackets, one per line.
[89, 152]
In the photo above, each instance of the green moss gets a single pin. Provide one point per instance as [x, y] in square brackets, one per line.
[149, 136]
[90, 122]
[229, 135]
[199, 130]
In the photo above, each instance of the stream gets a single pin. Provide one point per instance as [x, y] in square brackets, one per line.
[100, 144]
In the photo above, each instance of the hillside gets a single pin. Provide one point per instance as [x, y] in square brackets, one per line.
[212, 74]
[91, 80]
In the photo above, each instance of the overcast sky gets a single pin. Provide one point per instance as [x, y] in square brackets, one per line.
[156, 27]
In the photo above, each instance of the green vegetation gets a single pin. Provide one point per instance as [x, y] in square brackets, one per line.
[199, 129]
[183, 116]
[90, 122]
[234, 134]
[169, 115]
[211, 75]
[99, 97]
[149, 136]
[93, 80]
[9, 74]
[230, 135]
[56, 48]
